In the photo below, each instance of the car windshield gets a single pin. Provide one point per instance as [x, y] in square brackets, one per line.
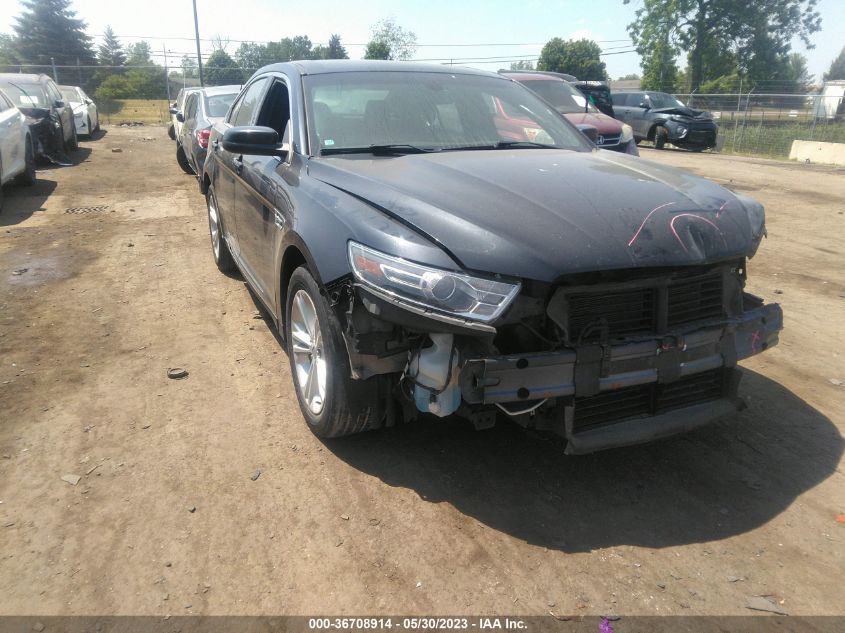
[25, 95]
[429, 111]
[70, 94]
[565, 98]
[663, 100]
[218, 105]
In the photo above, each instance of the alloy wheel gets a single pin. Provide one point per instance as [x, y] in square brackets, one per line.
[308, 352]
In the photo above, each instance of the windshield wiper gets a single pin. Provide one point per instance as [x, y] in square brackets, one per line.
[390, 148]
[518, 144]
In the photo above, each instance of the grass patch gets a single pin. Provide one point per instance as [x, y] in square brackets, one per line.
[776, 140]
[142, 110]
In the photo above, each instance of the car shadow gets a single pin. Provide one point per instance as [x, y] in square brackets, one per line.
[96, 136]
[719, 481]
[76, 157]
[21, 202]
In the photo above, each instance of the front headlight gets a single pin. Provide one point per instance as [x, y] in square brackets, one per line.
[679, 118]
[627, 133]
[454, 293]
[78, 115]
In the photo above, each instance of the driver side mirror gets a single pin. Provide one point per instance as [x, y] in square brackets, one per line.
[644, 105]
[59, 103]
[180, 117]
[255, 140]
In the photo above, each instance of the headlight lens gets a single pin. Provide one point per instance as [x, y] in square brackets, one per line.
[627, 133]
[454, 293]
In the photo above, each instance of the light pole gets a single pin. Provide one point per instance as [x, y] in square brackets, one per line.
[197, 33]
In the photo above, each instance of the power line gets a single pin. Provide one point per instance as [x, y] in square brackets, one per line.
[421, 45]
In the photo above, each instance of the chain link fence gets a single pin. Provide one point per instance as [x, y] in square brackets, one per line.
[766, 124]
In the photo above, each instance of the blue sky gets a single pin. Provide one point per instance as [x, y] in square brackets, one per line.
[439, 24]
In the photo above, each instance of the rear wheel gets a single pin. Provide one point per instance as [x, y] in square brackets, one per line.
[332, 403]
[661, 136]
[183, 160]
[90, 129]
[219, 247]
[28, 176]
[73, 144]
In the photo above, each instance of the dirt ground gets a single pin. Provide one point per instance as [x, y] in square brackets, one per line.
[168, 517]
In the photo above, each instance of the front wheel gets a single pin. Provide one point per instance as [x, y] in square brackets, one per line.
[332, 403]
[661, 136]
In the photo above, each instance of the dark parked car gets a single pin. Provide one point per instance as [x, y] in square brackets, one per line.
[574, 105]
[50, 118]
[203, 108]
[417, 257]
[662, 118]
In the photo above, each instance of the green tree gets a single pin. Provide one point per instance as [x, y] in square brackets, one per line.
[139, 54]
[837, 67]
[110, 52]
[756, 32]
[189, 67]
[336, 49]
[49, 28]
[660, 72]
[575, 57]
[377, 50]
[221, 69]
[522, 65]
[390, 41]
[8, 56]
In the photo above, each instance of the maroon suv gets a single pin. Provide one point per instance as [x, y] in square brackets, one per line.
[572, 104]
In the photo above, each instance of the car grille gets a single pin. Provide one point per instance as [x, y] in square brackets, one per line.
[618, 313]
[604, 140]
[601, 314]
[645, 400]
[695, 300]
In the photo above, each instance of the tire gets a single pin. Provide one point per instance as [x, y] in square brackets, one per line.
[1, 186]
[219, 248]
[90, 129]
[183, 160]
[27, 178]
[661, 137]
[335, 405]
[97, 129]
[73, 144]
[171, 132]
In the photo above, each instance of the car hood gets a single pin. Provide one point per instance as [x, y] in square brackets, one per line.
[602, 122]
[687, 112]
[540, 214]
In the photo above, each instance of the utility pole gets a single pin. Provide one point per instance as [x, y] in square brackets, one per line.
[197, 33]
[55, 74]
[166, 75]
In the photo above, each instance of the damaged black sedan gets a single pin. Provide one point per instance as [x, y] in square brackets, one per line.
[420, 253]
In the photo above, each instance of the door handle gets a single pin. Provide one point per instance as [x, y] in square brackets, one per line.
[238, 162]
[215, 145]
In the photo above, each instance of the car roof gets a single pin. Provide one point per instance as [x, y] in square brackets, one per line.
[527, 75]
[222, 90]
[325, 66]
[24, 77]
